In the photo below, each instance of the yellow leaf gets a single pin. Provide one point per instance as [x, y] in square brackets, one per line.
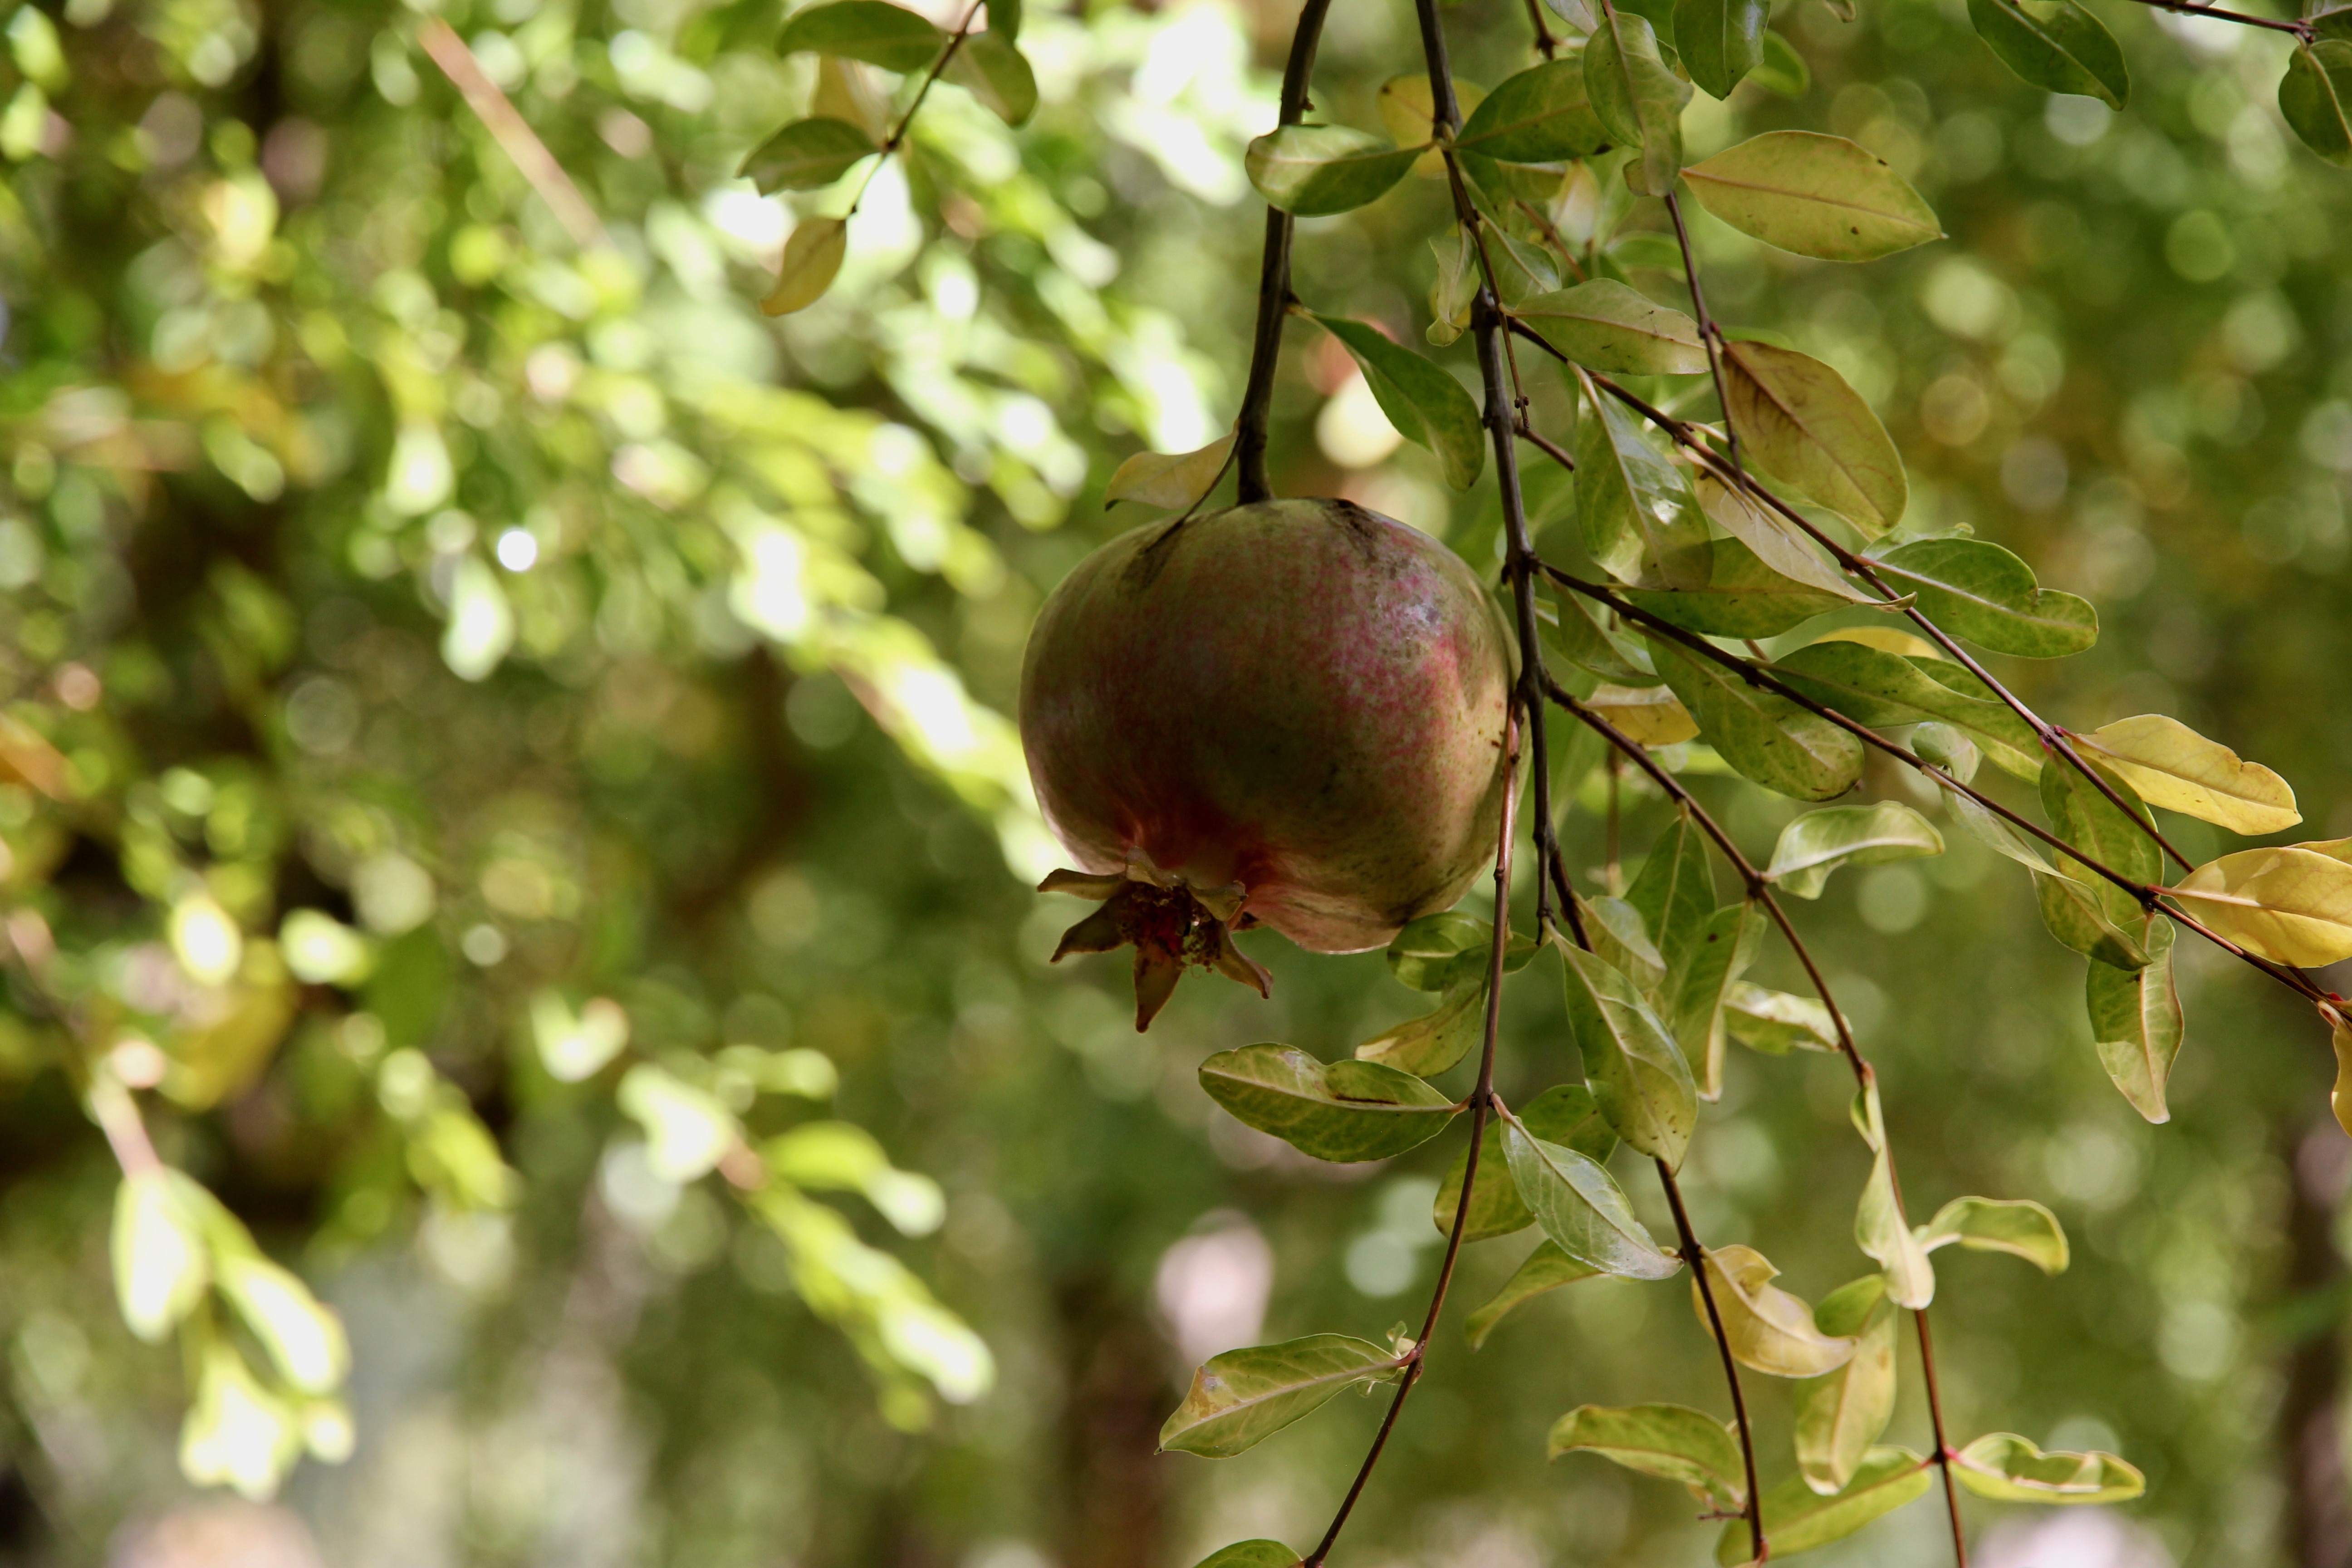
[1407, 113]
[1766, 1327]
[1650, 715]
[2291, 906]
[26, 755]
[1886, 639]
[812, 257]
[2173, 766]
[1174, 481]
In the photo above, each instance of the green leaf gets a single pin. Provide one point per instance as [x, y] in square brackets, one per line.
[1635, 1070]
[1778, 542]
[1674, 893]
[2007, 1469]
[1672, 1442]
[2058, 47]
[1252, 1554]
[1431, 1044]
[1740, 598]
[1710, 971]
[1427, 954]
[1241, 1398]
[1822, 196]
[1819, 842]
[1545, 1268]
[2092, 823]
[1564, 1115]
[1576, 637]
[161, 1265]
[2291, 906]
[1944, 746]
[1171, 481]
[2167, 763]
[808, 154]
[869, 30]
[994, 71]
[1314, 170]
[1841, 1413]
[1648, 714]
[1343, 1111]
[1581, 1208]
[2316, 97]
[1797, 1518]
[1605, 326]
[1004, 18]
[1980, 592]
[305, 1341]
[812, 259]
[1425, 404]
[1763, 735]
[1775, 1023]
[1804, 425]
[1633, 504]
[1720, 41]
[2076, 915]
[1522, 271]
[1764, 1326]
[1879, 1228]
[1637, 98]
[2019, 1227]
[1539, 116]
[1874, 687]
[1783, 71]
[1620, 934]
[2137, 1021]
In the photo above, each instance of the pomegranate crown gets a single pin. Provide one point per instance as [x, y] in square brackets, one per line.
[1171, 923]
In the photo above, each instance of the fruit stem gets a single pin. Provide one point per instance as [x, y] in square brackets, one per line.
[1274, 276]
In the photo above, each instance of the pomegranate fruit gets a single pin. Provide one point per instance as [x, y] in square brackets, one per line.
[1288, 713]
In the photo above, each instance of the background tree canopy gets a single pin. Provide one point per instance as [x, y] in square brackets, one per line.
[514, 824]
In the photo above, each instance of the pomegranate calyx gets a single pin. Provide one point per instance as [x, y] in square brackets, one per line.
[1170, 923]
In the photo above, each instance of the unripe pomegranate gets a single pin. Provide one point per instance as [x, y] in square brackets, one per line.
[1287, 713]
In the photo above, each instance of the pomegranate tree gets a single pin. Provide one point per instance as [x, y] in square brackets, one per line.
[1287, 713]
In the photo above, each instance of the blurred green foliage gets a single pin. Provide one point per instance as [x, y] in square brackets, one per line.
[500, 729]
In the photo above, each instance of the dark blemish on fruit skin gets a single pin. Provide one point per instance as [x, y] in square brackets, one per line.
[1146, 564]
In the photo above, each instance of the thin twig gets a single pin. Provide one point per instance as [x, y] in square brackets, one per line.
[1273, 275]
[2303, 29]
[1695, 1256]
[1943, 1445]
[512, 132]
[897, 137]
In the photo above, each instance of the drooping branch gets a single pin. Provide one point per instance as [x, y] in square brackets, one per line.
[1695, 1256]
[1273, 275]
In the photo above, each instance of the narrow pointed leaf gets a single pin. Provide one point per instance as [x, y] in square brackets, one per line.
[1819, 842]
[1776, 542]
[1775, 1023]
[1740, 596]
[1874, 687]
[2058, 47]
[1169, 481]
[1605, 326]
[1804, 425]
[1636, 1072]
[1766, 1326]
[1637, 98]
[1314, 170]
[1797, 1518]
[1547, 1268]
[869, 30]
[1343, 1111]
[1879, 1228]
[1672, 1442]
[806, 154]
[1822, 196]
[1425, 404]
[2019, 1227]
[1583, 1209]
[994, 71]
[1242, 1397]
[2316, 98]
[2171, 765]
[1980, 592]
[1783, 71]
[812, 260]
[2007, 1469]
[1764, 736]
[1564, 1115]
[1720, 41]
[1674, 893]
[2291, 906]
[1841, 1413]
[2137, 1022]
[1543, 115]
[1639, 522]
[1434, 1042]
[1703, 989]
